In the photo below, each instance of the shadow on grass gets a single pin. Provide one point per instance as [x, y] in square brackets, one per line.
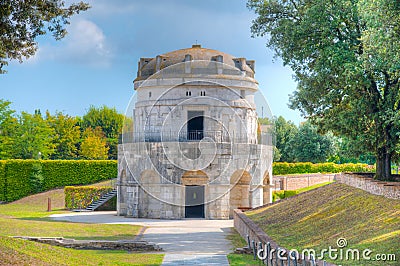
[42, 219]
[111, 238]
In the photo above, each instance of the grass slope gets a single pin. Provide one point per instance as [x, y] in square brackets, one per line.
[318, 218]
[28, 217]
[35, 206]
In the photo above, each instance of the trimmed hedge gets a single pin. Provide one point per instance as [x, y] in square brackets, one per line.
[308, 168]
[16, 175]
[2, 181]
[17, 179]
[61, 173]
[81, 197]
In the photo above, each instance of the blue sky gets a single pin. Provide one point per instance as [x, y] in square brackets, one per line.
[97, 61]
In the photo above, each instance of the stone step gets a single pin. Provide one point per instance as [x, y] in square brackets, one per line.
[101, 201]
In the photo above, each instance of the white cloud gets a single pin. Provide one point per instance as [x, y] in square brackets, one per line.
[85, 43]
[86, 37]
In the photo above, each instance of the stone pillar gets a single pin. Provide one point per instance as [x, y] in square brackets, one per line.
[188, 69]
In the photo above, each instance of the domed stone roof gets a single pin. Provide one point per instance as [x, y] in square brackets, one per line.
[149, 66]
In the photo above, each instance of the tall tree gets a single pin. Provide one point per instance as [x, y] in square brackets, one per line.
[310, 146]
[67, 135]
[94, 145]
[33, 137]
[110, 121]
[285, 131]
[350, 151]
[344, 54]
[21, 22]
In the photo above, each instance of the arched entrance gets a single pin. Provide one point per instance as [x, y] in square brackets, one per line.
[194, 182]
[240, 192]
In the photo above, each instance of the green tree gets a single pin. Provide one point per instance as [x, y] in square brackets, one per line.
[310, 146]
[277, 155]
[8, 124]
[94, 145]
[350, 151]
[285, 131]
[21, 22]
[344, 54]
[110, 121]
[67, 135]
[34, 138]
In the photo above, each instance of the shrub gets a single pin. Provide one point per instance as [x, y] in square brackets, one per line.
[277, 195]
[307, 168]
[282, 194]
[81, 197]
[289, 193]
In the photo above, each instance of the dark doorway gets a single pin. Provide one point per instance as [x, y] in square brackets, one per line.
[195, 125]
[194, 201]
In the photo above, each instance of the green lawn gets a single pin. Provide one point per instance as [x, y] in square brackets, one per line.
[239, 259]
[28, 217]
[20, 252]
[317, 219]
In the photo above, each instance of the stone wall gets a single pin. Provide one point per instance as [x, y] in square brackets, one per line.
[365, 182]
[151, 185]
[294, 182]
[246, 227]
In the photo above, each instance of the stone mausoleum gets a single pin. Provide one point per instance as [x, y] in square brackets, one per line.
[194, 148]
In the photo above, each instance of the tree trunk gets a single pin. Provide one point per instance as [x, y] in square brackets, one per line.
[383, 165]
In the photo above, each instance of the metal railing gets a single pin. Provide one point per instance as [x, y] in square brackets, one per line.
[217, 136]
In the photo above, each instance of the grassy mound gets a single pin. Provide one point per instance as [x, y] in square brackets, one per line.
[319, 218]
[28, 217]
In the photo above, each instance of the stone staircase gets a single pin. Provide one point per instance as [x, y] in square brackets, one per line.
[106, 197]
